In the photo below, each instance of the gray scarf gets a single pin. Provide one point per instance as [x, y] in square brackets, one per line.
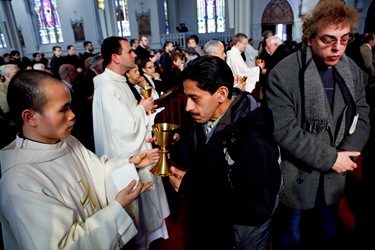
[316, 108]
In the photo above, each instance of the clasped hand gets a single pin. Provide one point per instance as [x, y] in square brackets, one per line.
[344, 162]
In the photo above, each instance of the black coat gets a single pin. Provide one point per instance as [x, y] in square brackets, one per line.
[142, 53]
[219, 195]
[280, 53]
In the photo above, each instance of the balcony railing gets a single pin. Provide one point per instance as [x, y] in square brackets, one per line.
[180, 38]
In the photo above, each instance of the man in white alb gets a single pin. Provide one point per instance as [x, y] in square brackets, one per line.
[121, 127]
[238, 65]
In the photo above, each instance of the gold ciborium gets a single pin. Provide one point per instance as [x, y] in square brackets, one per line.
[146, 92]
[164, 134]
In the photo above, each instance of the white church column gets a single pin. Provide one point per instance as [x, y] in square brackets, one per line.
[242, 17]
[11, 25]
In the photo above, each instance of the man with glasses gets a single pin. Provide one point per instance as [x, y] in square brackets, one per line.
[321, 125]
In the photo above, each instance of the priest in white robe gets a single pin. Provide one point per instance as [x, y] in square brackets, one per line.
[238, 65]
[54, 193]
[121, 127]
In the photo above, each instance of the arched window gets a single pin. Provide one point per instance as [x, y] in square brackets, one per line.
[211, 16]
[48, 21]
[166, 17]
[3, 44]
[122, 17]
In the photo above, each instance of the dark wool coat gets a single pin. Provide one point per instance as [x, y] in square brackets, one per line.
[220, 195]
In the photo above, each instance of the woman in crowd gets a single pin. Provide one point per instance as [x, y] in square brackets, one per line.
[177, 68]
[136, 82]
[153, 78]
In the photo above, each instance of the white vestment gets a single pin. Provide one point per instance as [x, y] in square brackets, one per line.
[60, 196]
[239, 67]
[251, 55]
[121, 128]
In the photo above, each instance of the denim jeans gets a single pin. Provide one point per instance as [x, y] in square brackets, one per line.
[315, 228]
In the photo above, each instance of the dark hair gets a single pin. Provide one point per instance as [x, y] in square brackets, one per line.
[55, 47]
[132, 41]
[14, 52]
[25, 91]
[166, 44]
[111, 45]
[85, 43]
[195, 37]
[35, 54]
[210, 73]
[69, 46]
[142, 64]
[368, 37]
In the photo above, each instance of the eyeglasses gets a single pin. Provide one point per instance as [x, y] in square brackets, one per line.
[329, 41]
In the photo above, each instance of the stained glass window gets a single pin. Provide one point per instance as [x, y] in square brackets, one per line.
[166, 17]
[48, 21]
[3, 44]
[122, 17]
[211, 16]
[101, 4]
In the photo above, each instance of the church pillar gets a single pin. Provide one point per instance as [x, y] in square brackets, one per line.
[14, 42]
[242, 17]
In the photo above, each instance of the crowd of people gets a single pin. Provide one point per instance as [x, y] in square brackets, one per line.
[264, 156]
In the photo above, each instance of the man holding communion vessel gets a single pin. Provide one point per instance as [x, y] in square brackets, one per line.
[238, 65]
[233, 177]
[121, 127]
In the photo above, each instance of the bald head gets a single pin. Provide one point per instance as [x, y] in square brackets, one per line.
[68, 73]
[9, 70]
[215, 48]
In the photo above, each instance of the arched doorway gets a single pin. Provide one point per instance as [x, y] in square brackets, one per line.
[370, 19]
[278, 17]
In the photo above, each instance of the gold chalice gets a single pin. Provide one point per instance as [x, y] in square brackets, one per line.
[242, 78]
[259, 61]
[164, 134]
[146, 92]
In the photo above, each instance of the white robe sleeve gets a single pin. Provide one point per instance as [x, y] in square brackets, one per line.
[120, 125]
[44, 208]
